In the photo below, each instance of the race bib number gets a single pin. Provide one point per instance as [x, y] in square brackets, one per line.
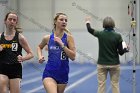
[14, 46]
[63, 55]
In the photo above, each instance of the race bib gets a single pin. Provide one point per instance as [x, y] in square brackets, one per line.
[14, 46]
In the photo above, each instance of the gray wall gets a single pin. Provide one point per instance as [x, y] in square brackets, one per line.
[2, 13]
[36, 20]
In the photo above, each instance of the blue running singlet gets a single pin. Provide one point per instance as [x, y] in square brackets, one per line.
[57, 66]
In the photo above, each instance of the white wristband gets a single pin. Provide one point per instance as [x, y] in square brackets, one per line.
[63, 46]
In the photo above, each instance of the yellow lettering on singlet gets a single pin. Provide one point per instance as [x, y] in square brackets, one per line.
[6, 45]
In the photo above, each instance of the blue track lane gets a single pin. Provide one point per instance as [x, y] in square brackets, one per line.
[82, 78]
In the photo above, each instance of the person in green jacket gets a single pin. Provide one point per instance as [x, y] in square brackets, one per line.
[110, 46]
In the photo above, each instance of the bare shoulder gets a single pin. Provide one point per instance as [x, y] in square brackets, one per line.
[46, 37]
[21, 37]
[69, 36]
[45, 40]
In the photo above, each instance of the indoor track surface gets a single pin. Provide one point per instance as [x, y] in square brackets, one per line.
[82, 78]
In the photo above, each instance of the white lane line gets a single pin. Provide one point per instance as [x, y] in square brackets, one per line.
[31, 80]
[70, 75]
[77, 72]
[30, 74]
[81, 80]
[35, 89]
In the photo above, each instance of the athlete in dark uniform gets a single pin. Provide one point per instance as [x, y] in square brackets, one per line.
[8, 58]
[11, 44]
[61, 47]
